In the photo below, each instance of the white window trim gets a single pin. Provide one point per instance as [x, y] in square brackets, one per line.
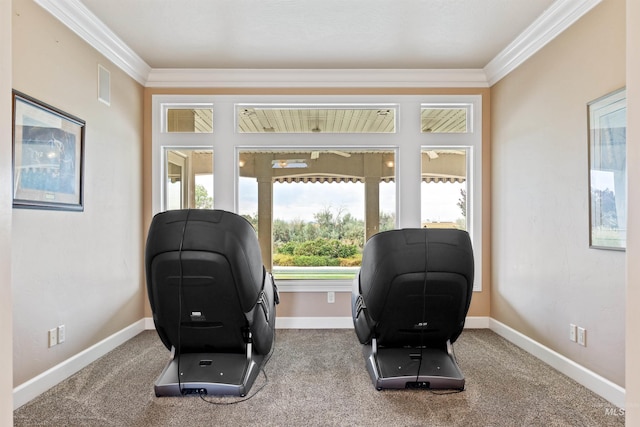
[408, 139]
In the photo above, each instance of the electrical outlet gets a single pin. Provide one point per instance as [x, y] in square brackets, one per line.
[331, 297]
[572, 332]
[53, 337]
[62, 332]
[582, 336]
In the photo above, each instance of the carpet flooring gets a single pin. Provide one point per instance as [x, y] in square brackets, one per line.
[318, 378]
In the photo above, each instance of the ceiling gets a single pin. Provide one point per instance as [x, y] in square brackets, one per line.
[293, 43]
[379, 34]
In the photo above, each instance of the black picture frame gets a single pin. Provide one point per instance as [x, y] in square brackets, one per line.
[48, 156]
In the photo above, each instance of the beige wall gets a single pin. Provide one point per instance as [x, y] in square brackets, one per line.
[545, 276]
[633, 247]
[6, 349]
[314, 304]
[81, 269]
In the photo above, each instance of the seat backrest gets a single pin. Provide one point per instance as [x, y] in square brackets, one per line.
[204, 275]
[417, 285]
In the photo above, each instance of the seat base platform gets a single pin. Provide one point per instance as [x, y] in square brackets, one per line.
[218, 374]
[399, 368]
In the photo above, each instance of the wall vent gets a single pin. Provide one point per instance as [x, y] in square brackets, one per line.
[104, 85]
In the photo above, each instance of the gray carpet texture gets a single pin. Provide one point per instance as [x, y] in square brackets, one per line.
[318, 378]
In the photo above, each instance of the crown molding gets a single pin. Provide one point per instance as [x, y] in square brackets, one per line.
[556, 19]
[316, 78]
[560, 16]
[85, 24]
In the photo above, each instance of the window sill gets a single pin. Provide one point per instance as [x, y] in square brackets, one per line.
[323, 285]
[287, 285]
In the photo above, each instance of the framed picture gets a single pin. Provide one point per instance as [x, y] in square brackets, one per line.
[48, 151]
[608, 171]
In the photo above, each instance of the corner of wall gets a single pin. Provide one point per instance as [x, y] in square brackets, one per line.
[6, 300]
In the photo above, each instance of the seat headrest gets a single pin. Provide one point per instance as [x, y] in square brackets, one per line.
[215, 231]
[413, 250]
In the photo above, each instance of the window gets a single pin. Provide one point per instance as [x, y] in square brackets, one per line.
[188, 119]
[445, 118]
[316, 119]
[277, 156]
[451, 169]
[315, 208]
[443, 192]
[188, 179]
[182, 152]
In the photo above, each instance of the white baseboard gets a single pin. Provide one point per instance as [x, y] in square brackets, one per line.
[314, 323]
[594, 382]
[148, 324]
[476, 322]
[49, 378]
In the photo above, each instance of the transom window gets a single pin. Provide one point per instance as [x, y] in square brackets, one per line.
[445, 118]
[315, 119]
[187, 118]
